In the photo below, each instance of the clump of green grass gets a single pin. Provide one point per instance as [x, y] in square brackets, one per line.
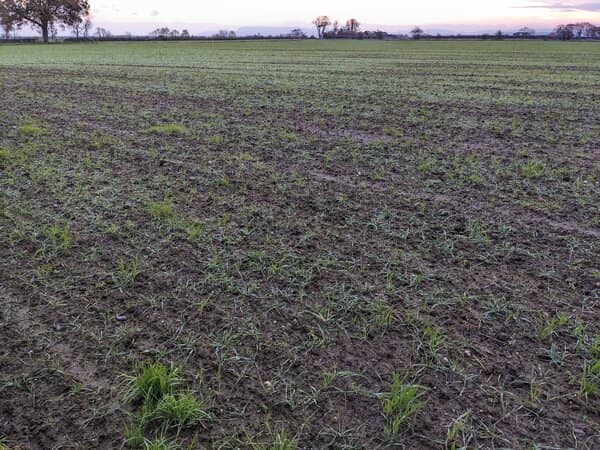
[589, 384]
[152, 381]
[550, 328]
[127, 272]
[179, 411]
[162, 210]
[401, 404]
[594, 350]
[163, 406]
[459, 433]
[216, 139]
[282, 442]
[193, 230]
[382, 314]
[58, 236]
[171, 129]
[160, 442]
[430, 343]
[30, 130]
[532, 169]
[4, 157]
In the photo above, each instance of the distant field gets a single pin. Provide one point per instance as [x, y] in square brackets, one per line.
[336, 244]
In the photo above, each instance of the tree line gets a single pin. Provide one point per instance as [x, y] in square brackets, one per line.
[48, 16]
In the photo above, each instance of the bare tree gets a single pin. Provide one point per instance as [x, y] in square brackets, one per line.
[352, 25]
[8, 24]
[322, 23]
[563, 32]
[44, 14]
[185, 34]
[224, 34]
[102, 33]
[53, 31]
[77, 28]
[87, 27]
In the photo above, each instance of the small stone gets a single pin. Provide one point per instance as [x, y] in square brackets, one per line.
[121, 318]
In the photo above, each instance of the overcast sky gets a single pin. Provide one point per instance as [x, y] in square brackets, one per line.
[139, 15]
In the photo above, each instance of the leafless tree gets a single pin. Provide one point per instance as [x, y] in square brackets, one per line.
[322, 23]
[352, 25]
[77, 28]
[563, 32]
[103, 33]
[8, 25]
[87, 27]
[224, 34]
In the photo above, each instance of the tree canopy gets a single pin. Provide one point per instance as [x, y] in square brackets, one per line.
[44, 14]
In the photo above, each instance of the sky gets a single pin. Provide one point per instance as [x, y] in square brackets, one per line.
[142, 16]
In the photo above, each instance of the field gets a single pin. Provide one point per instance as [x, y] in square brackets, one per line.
[306, 244]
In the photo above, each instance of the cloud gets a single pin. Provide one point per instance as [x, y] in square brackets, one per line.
[566, 5]
[154, 13]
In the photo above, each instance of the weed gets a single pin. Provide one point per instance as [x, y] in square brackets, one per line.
[179, 411]
[216, 139]
[163, 210]
[382, 314]
[430, 343]
[590, 380]
[58, 236]
[160, 442]
[532, 169]
[135, 436]
[550, 328]
[5, 156]
[168, 130]
[401, 404]
[30, 130]
[459, 433]
[127, 272]
[193, 230]
[282, 442]
[152, 381]
[594, 350]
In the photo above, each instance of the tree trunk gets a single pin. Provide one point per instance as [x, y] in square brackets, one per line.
[45, 32]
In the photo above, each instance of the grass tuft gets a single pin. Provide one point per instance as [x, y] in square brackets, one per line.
[590, 380]
[282, 442]
[163, 210]
[160, 442]
[168, 130]
[532, 169]
[152, 382]
[4, 157]
[401, 404]
[179, 411]
[30, 130]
